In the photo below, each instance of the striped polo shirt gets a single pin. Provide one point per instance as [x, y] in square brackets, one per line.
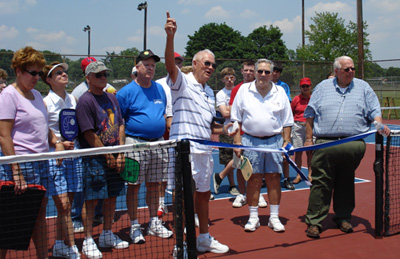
[193, 108]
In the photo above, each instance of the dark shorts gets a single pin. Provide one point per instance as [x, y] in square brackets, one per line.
[225, 154]
[99, 181]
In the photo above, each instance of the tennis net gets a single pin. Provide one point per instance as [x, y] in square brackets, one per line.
[387, 172]
[148, 167]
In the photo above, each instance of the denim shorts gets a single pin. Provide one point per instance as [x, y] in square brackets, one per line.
[264, 162]
[100, 181]
[66, 177]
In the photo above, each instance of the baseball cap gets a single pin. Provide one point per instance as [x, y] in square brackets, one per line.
[85, 62]
[147, 54]
[305, 81]
[96, 67]
[176, 54]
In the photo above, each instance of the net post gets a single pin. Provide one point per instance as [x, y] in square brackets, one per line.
[183, 165]
[378, 169]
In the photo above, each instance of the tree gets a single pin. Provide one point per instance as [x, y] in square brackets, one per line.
[268, 43]
[5, 62]
[122, 63]
[329, 38]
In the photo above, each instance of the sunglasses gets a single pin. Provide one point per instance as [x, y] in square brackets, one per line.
[233, 78]
[305, 86]
[349, 68]
[267, 72]
[208, 64]
[3, 82]
[34, 73]
[60, 72]
[100, 75]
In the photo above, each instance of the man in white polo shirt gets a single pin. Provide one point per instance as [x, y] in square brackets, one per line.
[263, 112]
[194, 109]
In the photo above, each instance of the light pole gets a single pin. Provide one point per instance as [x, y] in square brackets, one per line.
[140, 8]
[87, 29]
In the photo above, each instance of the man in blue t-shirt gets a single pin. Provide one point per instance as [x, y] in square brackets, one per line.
[143, 104]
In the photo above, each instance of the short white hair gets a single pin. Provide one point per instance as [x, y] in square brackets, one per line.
[198, 54]
[337, 65]
[264, 60]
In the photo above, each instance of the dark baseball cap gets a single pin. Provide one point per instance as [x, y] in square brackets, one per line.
[146, 54]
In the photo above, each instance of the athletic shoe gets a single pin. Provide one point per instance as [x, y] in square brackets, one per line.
[74, 253]
[211, 245]
[276, 224]
[60, 250]
[196, 220]
[239, 201]
[162, 209]
[157, 229]
[234, 191]
[175, 252]
[288, 184]
[261, 202]
[217, 182]
[90, 249]
[78, 226]
[252, 224]
[110, 240]
[136, 234]
[211, 197]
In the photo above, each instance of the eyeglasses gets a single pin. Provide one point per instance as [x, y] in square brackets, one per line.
[100, 75]
[60, 72]
[267, 72]
[34, 73]
[233, 78]
[305, 86]
[208, 64]
[349, 68]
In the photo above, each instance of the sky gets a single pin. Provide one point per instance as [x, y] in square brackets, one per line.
[117, 25]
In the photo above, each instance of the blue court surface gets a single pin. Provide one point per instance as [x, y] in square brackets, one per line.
[224, 188]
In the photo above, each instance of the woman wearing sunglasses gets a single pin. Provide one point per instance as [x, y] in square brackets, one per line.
[24, 129]
[298, 105]
[64, 178]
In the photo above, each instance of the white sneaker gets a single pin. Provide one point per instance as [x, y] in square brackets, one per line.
[157, 229]
[111, 240]
[196, 220]
[60, 250]
[239, 201]
[78, 226]
[74, 253]
[211, 245]
[136, 234]
[252, 224]
[90, 249]
[276, 224]
[261, 202]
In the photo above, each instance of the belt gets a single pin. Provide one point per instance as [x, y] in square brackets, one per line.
[265, 137]
[145, 139]
[303, 123]
[332, 138]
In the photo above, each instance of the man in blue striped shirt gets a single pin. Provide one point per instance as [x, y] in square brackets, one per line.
[339, 107]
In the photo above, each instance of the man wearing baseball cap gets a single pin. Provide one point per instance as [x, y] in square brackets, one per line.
[143, 104]
[83, 87]
[100, 124]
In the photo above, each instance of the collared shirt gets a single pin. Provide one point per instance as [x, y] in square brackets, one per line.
[339, 114]
[54, 105]
[193, 107]
[262, 116]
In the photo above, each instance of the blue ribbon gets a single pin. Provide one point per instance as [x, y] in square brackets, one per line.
[288, 150]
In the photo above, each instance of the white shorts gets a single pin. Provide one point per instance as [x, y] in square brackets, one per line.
[202, 170]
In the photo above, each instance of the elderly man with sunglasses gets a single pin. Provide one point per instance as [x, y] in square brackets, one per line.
[194, 108]
[339, 107]
[100, 124]
[263, 112]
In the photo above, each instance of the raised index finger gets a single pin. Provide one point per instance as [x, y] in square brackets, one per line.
[168, 16]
